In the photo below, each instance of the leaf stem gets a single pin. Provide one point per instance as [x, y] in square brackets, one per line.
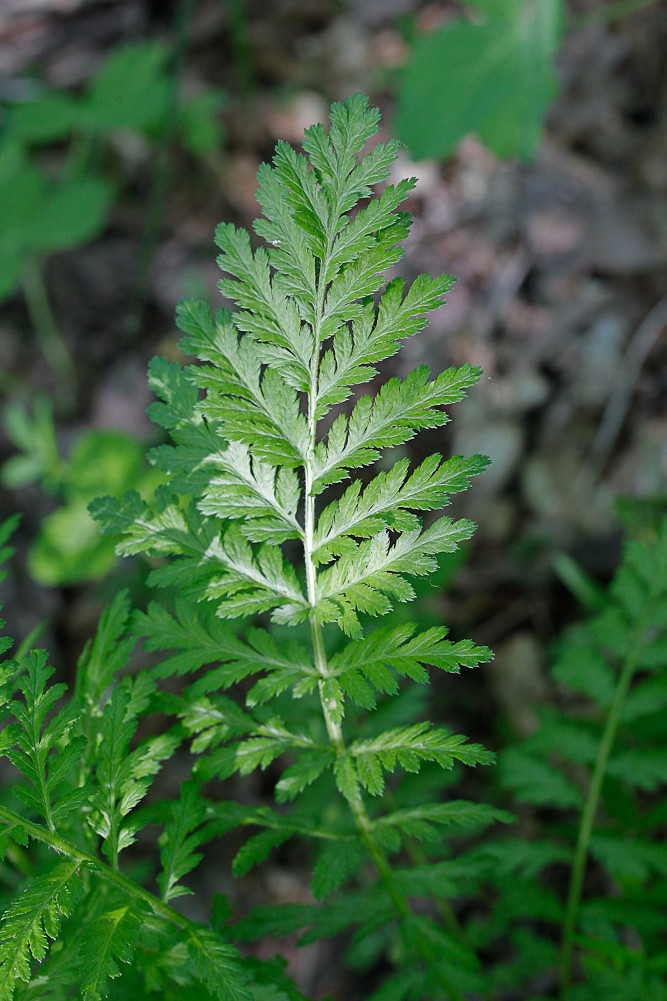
[589, 813]
[162, 171]
[63, 847]
[355, 802]
[48, 333]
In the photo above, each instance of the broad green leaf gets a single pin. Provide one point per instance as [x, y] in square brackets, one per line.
[130, 90]
[52, 116]
[491, 74]
[72, 213]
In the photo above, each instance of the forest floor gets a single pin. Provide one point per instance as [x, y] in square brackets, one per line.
[560, 297]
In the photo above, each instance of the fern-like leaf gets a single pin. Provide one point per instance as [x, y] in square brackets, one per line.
[34, 917]
[109, 939]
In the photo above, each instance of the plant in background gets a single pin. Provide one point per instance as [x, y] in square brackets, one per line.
[491, 73]
[595, 768]
[494, 73]
[68, 548]
[133, 90]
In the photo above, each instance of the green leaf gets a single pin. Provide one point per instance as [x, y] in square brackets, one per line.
[257, 849]
[535, 781]
[263, 497]
[255, 407]
[182, 836]
[641, 767]
[124, 776]
[307, 769]
[73, 213]
[199, 128]
[408, 747]
[392, 417]
[492, 75]
[251, 582]
[41, 729]
[53, 116]
[109, 939]
[130, 90]
[397, 647]
[33, 918]
[424, 822]
[103, 658]
[216, 965]
[525, 859]
[367, 580]
[335, 863]
[387, 499]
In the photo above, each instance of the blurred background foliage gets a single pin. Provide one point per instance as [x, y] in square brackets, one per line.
[538, 132]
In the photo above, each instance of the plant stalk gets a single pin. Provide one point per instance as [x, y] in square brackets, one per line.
[162, 172]
[356, 804]
[48, 333]
[592, 801]
[63, 847]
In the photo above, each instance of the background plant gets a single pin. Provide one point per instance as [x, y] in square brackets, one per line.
[581, 892]
[494, 73]
[68, 548]
[59, 203]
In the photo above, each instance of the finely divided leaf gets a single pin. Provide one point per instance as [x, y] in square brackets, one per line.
[400, 409]
[216, 965]
[387, 500]
[409, 747]
[183, 835]
[109, 939]
[33, 918]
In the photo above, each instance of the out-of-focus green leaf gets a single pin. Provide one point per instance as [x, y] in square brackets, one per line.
[130, 90]
[199, 127]
[70, 547]
[73, 213]
[40, 218]
[491, 75]
[53, 116]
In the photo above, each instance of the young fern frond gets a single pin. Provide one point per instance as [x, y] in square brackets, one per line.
[256, 448]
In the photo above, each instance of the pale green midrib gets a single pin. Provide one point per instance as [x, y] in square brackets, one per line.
[63, 847]
[589, 812]
[356, 805]
[41, 765]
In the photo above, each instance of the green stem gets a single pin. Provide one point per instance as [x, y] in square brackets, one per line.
[592, 801]
[238, 29]
[330, 713]
[112, 876]
[162, 172]
[48, 332]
